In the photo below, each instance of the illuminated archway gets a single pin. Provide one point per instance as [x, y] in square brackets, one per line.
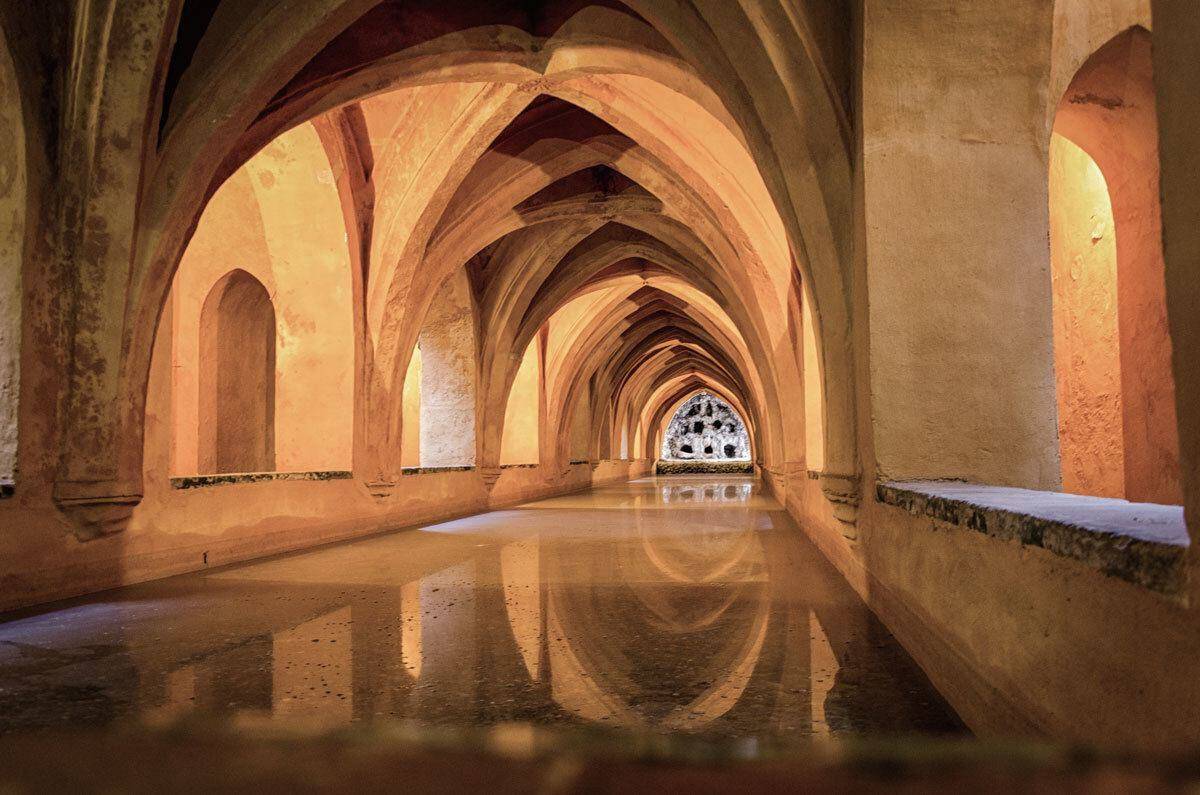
[1117, 429]
[706, 428]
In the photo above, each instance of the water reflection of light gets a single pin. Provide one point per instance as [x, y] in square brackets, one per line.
[410, 627]
[313, 670]
[61, 625]
[718, 493]
[681, 584]
[520, 571]
[824, 667]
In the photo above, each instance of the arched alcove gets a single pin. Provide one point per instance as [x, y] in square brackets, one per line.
[285, 229]
[237, 377]
[448, 377]
[1115, 388]
[12, 244]
[706, 428]
[519, 442]
[410, 435]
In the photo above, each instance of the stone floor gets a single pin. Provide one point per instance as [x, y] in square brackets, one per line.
[684, 605]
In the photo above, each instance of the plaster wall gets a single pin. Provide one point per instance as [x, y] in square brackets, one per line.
[961, 360]
[410, 436]
[814, 395]
[1087, 352]
[581, 426]
[956, 266]
[1001, 628]
[1176, 75]
[448, 377]
[519, 443]
[180, 530]
[237, 377]
[261, 220]
[1080, 28]
[12, 246]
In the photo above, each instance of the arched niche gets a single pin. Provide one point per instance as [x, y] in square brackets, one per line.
[12, 237]
[410, 437]
[237, 377]
[449, 374]
[519, 443]
[706, 428]
[279, 219]
[1115, 388]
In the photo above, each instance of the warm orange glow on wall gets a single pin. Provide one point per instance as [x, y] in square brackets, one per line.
[519, 444]
[237, 377]
[1083, 254]
[448, 375]
[410, 450]
[814, 397]
[1117, 427]
[581, 426]
[278, 219]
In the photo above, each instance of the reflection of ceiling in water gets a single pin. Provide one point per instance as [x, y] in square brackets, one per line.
[686, 609]
[672, 639]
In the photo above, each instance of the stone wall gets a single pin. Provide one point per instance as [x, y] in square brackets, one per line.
[12, 241]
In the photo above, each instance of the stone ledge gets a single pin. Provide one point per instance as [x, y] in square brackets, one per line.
[579, 461]
[519, 466]
[205, 481]
[435, 470]
[662, 467]
[1141, 543]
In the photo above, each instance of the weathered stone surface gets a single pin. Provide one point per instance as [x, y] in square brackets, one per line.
[432, 470]
[664, 467]
[1141, 543]
[204, 481]
[706, 428]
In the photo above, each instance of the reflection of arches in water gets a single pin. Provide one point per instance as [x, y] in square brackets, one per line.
[613, 652]
[520, 570]
[689, 492]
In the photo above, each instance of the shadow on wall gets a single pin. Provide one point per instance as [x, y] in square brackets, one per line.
[12, 240]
